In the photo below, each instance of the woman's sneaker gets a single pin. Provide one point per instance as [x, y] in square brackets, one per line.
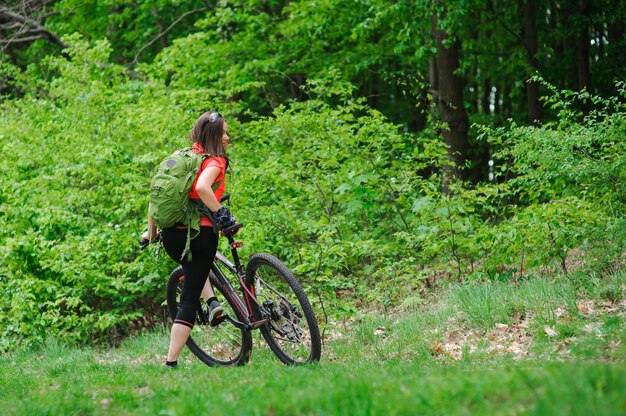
[216, 313]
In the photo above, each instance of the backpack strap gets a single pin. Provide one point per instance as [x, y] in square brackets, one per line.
[187, 250]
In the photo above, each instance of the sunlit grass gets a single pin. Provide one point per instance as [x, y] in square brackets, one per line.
[438, 358]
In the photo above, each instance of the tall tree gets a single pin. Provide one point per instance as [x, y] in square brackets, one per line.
[448, 91]
[584, 69]
[532, 88]
[584, 74]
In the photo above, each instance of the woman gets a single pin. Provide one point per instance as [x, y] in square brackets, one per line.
[210, 136]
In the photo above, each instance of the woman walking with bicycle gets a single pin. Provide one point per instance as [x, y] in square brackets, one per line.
[210, 137]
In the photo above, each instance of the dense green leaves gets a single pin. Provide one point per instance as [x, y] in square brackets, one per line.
[75, 165]
[321, 176]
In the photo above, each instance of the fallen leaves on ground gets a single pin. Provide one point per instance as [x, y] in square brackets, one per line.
[550, 331]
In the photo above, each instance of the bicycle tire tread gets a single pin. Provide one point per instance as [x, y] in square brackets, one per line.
[259, 259]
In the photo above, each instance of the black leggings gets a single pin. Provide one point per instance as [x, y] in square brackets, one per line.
[203, 249]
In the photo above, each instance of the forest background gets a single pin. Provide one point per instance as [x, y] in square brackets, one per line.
[380, 147]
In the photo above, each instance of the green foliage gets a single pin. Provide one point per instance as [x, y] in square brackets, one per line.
[341, 208]
[130, 28]
[346, 198]
[76, 161]
[565, 181]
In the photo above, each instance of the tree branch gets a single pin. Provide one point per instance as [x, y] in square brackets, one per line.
[519, 37]
[19, 40]
[16, 18]
[181, 17]
[11, 25]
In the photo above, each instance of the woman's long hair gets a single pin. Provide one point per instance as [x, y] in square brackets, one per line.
[208, 132]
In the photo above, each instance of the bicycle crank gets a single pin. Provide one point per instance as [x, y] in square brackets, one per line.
[248, 327]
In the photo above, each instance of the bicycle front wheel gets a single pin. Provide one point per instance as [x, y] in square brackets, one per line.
[291, 332]
[221, 345]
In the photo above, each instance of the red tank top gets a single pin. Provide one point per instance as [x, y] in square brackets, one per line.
[218, 162]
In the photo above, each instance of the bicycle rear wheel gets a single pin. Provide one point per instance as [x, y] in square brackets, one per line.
[221, 345]
[291, 332]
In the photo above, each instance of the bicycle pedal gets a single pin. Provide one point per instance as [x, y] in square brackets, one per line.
[218, 320]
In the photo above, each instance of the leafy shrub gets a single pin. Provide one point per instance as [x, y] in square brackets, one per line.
[76, 157]
[343, 196]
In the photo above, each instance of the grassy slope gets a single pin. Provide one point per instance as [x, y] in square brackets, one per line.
[538, 347]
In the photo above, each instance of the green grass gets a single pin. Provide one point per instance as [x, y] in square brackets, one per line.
[441, 358]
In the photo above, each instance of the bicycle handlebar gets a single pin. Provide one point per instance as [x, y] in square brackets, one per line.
[144, 242]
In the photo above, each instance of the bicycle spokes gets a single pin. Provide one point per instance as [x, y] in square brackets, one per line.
[277, 301]
[284, 320]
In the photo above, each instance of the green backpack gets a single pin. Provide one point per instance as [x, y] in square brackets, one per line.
[170, 204]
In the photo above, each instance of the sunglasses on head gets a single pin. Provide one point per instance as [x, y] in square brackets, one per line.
[213, 117]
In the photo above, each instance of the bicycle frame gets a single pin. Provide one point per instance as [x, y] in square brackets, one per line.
[244, 307]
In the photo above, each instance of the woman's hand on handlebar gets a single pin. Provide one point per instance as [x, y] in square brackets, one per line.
[145, 239]
[225, 222]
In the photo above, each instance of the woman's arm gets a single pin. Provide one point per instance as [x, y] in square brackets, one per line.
[203, 187]
[151, 234]
[223, 219]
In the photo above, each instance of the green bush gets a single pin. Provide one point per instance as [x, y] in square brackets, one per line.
[77, 154]
[347, 199]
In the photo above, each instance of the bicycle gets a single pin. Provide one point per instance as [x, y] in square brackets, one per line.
[273, 301]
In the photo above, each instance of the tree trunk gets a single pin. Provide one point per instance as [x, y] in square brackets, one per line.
[449, 95]
[499, 95]
[614, 51]
[485, 98]
[433, 78]
[161, 28]
[532, 88]
[616, 32]
[568, 44]
[584, 70]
